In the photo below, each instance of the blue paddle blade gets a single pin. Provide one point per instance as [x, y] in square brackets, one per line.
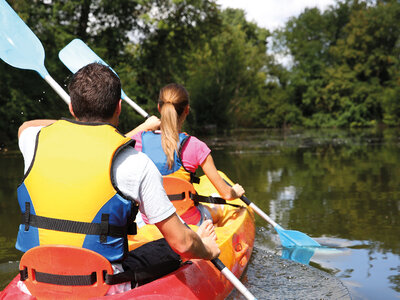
[19, 46]
[299, 254]
[294, 238]
[77, 54]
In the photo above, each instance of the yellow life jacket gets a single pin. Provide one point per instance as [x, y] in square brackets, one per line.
[68, 195]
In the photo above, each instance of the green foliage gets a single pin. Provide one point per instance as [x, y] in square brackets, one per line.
[227, 75]
[346, 63]
[344, 68]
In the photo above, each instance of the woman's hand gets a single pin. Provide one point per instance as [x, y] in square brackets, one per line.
[237, 191]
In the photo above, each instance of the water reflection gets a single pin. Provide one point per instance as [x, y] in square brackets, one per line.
[342, 186]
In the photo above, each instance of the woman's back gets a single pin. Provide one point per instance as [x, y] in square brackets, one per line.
[191, 153]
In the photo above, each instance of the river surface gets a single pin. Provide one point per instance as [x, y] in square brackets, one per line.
[340, 187]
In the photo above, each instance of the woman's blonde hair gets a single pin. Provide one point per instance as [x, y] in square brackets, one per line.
[173, 100]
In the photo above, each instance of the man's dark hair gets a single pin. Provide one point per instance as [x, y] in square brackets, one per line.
[95, 91]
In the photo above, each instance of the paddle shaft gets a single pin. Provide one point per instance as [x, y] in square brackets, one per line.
[136, 107]
[228, 274]
[59, 90]
[256, 208]
[258, 211]
[288, 238]
[233, 279]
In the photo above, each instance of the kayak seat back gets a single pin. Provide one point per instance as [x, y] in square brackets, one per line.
[64, 272]
[179, 191]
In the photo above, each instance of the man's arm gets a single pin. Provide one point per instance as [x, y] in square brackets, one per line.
[34, 123]
[152, 123]
[185, 241]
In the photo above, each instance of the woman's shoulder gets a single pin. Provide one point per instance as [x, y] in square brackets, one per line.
[195, 143]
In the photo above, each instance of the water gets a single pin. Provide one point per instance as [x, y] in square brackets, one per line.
[341, 188]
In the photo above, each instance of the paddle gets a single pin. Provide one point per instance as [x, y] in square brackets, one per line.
[229, 275]
[289, 238]
[20, 48]
[77, 55]
[233, 279]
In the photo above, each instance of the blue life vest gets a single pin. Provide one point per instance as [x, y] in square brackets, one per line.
[151, 145]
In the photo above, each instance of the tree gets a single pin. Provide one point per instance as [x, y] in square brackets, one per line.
[344, 63]
[227, 75]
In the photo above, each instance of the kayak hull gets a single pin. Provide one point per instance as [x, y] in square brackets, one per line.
[197, 279]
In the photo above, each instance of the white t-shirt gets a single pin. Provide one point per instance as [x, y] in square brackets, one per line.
[135, 174]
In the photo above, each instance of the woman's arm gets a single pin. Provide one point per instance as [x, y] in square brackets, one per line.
[227, 192]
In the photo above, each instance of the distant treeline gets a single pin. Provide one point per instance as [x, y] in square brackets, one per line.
[342, 70]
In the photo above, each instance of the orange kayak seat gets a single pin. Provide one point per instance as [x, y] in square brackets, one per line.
[185, 199]
[59, 271]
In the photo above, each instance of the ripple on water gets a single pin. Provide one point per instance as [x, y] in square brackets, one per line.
[271, 277]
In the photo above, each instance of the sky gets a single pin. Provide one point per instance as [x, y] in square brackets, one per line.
[272, 14]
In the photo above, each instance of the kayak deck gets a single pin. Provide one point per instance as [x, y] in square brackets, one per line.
[196, 279]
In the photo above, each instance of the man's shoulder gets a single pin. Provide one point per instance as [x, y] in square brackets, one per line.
[130, 158]
[30, 131]
[130, 154]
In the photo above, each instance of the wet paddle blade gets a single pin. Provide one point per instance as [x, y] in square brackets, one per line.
[294, 238]
[299, 254]
[19, 46]
[77, 54]
[289, 238]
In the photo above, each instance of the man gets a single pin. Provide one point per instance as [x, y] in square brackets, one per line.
[83, 180]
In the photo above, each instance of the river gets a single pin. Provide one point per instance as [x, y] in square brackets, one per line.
[340, 187]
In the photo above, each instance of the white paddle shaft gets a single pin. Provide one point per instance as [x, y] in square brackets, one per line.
[136, 107]
[262, 214]
[228, 274]
[237, 284]
[59, 90]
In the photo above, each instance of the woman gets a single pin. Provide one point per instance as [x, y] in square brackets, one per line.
[177, 154]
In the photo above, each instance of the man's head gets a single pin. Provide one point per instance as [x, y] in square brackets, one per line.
[95, 92]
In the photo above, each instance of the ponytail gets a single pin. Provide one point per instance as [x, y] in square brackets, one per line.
[173, 100]
[169, 132]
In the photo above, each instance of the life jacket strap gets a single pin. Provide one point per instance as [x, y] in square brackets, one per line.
[199, 198]
[102, 229]
[193, 177]
[210, 199]
[176, 197]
